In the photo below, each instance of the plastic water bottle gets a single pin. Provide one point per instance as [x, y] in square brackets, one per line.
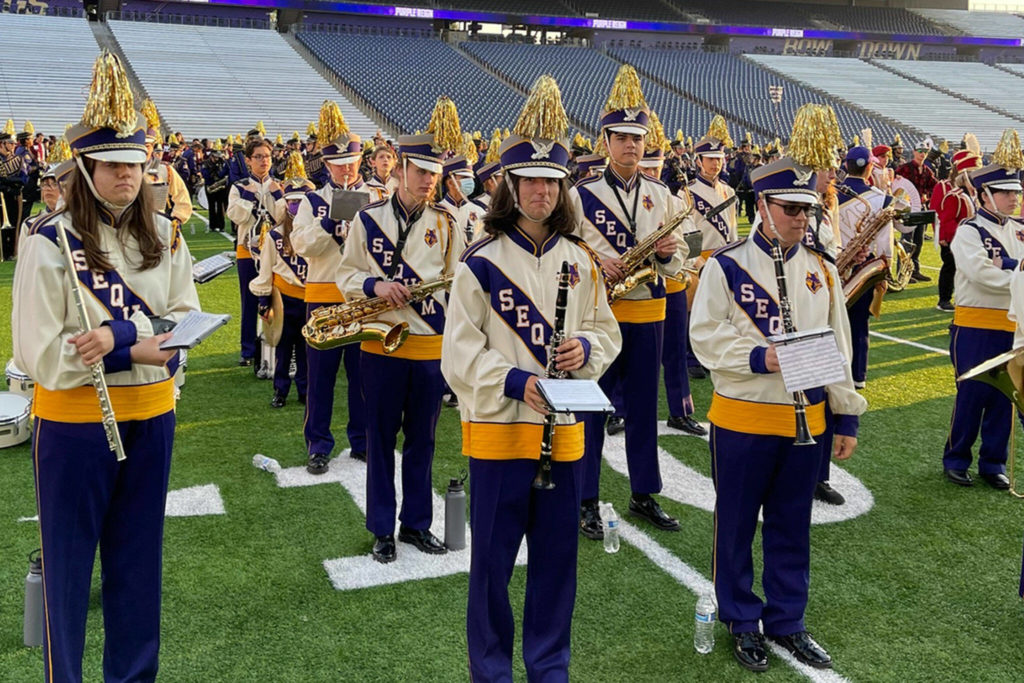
[33, 624]
[262, 462]
[610, 522]
[455, 514]
[704, 624]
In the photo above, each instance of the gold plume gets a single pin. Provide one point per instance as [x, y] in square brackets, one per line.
[944, 146]
[261, 128]
[295, 135]
[444, 125]
[60, 151]
[218, 146]
[833, 127]
[494, 148]
[332, 124]
[746, 137]
[150, 112]
[811, 143]
[600, 148]
[469, 149]
[679, 135]
[505, 133]
[972, 145]
[689, 141]
[477, 135]
[9, 128]
[897, 140]
[279, 140]
[296, 168]
[856, 140]
[867, 139]
[110, 103]
[626, 91]
[29, 128]
[718, 129]
[311, 129]
[231, 140]
[543, 116]
[656, 139]
[1008, 153]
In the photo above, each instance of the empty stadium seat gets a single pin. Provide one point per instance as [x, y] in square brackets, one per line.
[971, 80]
[973, 23]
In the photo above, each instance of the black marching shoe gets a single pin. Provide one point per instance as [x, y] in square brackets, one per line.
[697, 372]
[244, 362]
[826, 494]
[748, 648]
[318, 463]
[805, 649]
[450, 401]
[358, 455]
[423, 540]
[384, 549]
[590, 521]
[959, 477]
[646, 507]
[616, 425]
[946, 306]
[996, 480]
[687, 424]
[277, 401]
[920, 277]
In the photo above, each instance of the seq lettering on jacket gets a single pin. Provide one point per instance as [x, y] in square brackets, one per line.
[752, 298]
[295, 263]
[702, 207]
[382, 250]
[321, 212]
[993, 247]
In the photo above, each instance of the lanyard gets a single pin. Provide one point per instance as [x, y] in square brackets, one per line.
[403, 232]
[630, 217]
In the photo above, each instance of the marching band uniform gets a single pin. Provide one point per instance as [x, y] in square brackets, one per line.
[981, 330]
[707, 194]
[952, 205]
[13, 178]
[215, 170]
[168, 185]
[613, 214]
[386, 187]
[84, 495]
[505, 289]
[252, 205]
[755, 464]
[402, 389]
[314, 161]
[467, 213]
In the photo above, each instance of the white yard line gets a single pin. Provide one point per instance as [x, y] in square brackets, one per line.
[915, 344]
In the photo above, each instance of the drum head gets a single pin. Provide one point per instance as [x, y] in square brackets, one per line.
[272, 330]
[13, 407]
[201, 198]
[13, 373]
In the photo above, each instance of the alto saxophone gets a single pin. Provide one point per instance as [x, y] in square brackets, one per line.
[857, 283]
[637, 266]
[354, 321]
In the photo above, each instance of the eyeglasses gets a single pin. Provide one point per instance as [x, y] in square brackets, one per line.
[260, 157]
[792, 210]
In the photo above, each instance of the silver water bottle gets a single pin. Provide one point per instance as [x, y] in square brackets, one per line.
[33, 631]
[455, 514]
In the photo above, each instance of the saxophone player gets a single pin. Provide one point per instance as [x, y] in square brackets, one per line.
[755, 463]
[394, 244]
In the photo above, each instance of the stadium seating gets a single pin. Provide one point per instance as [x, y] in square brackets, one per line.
[801, 15]
[404, 77]
[1016, 68]
[971, 80]
[741, 88]
[585, 77]
[46, 88]
[644, 10]
[210, 82]
[520, 7]
[887, 94]
[985, 24]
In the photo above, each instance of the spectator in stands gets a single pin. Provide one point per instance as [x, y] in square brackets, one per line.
[953, 201]
[924, 180]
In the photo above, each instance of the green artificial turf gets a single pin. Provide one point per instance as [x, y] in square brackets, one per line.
[922, 588]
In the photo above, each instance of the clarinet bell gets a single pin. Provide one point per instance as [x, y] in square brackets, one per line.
[803, 432]
[543, 479]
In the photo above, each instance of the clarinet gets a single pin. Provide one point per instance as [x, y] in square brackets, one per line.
[803, 432]
[99, 380]
[543, 478]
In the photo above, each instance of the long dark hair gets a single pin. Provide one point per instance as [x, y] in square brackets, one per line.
[503, 214]
[136, 221]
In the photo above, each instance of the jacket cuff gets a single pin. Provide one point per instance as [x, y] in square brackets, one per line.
[118, 360]
[846, 425]
[277, 194]
[368, 285]
[663, 261]
[515, 383]
[757, 364]
[1009, 263]
[125, 334]
[246, 195]
[586, 349]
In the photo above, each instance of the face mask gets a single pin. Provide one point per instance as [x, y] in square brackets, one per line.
[467, 185]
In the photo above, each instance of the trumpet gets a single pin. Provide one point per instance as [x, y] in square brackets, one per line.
[354, 321]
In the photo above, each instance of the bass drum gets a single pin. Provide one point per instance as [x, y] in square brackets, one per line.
[14, 419]
[18, 382]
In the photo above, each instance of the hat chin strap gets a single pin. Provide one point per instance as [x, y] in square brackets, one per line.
[515, 200]
[92, 188]
[992, 200]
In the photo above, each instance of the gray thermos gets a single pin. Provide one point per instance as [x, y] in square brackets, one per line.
[34, 601]
[455, 514]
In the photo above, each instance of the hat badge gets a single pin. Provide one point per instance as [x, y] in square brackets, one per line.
[541, 148]
[632, 113]
[802, 179]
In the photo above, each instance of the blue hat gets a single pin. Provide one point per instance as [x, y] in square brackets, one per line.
[485, 172]
[785, 179]
[995, 177]
[653, 158]
[632, 120]
[110, 129]
[457, 165]
[345, 149]
[589, 162]
[859, 156]
[710, 146]
[626, 110]
[420, 150]
[538, 146]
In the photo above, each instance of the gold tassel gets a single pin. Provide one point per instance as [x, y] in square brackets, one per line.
[295, 135]
[897, 140]
[626, 91]
[311, 129]
[9, 128]
[505, 133]
[746, 137]
[150, 112]
[332, 124]
[261, 128]
[543, 116]
[231, 141]
[60, 151]
[279, 140]
[444, 125]
[679, 135]
[944, 147]
[972, 145]
[296, 168]
[811, 142]
[494, 148]
[1008, 153]
[469, 150]
[110, 103]
[856, 140]
[217, 145]
[477, 135]
[655, 139]
[718, 129]
[29, 128]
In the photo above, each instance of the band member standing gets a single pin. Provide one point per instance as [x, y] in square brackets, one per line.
[709, 191]
[755, 463]
[13, 175]
[284, 270]
[492, 358]
[133, 266]
[394, 246]
[615, 211]
[319, 238]
[382, 160]
[986, 249]
[215, 178]
[953, 201]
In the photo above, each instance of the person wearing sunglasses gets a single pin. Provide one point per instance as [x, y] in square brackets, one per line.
[755, 463]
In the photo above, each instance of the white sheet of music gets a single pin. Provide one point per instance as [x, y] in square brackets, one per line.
[194, 328]
[809, 359]
[574, 395]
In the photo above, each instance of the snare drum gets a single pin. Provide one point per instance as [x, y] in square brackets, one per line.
[18, 381]
[14, 419]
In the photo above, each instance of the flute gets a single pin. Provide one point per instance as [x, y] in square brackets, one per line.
[543, 478]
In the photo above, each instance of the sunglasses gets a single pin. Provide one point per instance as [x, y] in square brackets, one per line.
[792, 210]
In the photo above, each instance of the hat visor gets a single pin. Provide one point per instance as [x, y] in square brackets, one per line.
[712, 155]
[626, 128]
[795, 197]
[119, 156]
[343, 161]
[1011, 185]
[539, 172]
[432, 166]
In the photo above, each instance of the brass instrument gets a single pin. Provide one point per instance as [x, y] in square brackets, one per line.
[354, 321]
[99, 380]
[636, 259]
[217, 185]
[874, 270]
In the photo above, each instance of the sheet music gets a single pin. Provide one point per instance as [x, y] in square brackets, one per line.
[194, 328]
[574, 396]
[209, 268]
[810, 359]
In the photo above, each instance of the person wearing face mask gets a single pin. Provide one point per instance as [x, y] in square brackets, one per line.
[132, 267]
[319, 239]
[255, 204]
[493, 361]
[395, 245]
[459, 184]
[614, 212]
[755, 464]
[284, 270]
[987, 249]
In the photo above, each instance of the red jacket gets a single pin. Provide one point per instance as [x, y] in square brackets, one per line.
[955, 206]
